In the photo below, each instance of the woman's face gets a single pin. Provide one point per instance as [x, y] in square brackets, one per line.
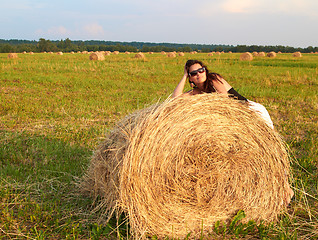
[198, 78]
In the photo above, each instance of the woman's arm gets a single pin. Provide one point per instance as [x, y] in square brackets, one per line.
[179, 88]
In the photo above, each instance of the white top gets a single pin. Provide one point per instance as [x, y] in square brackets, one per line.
[261, 110]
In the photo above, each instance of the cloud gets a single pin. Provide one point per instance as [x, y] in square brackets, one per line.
[60, 30]
[94, 30]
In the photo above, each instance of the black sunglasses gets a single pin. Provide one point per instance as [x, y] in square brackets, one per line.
[195, 72]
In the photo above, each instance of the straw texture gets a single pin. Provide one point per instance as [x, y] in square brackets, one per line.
[180, 166]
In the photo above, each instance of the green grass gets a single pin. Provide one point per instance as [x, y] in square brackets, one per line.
[54, 110]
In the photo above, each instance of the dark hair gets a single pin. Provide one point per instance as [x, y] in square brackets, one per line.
[210, 77]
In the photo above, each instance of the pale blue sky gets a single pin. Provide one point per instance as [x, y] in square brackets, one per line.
[235, 22]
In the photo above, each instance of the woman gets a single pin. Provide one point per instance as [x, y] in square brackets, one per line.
[202, 81]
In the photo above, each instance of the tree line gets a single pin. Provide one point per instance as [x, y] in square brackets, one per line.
[67, 45]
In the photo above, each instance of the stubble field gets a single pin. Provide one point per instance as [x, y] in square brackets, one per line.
[55, 109]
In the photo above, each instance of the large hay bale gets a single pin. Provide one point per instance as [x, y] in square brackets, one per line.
[180, 166]
[297, 54]
[246, 56]
[12, 55]
[271, 54]
[97, 56]
[181, 54]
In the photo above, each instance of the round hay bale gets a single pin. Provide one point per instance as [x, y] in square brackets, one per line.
[12, 55]
[230, 51]
[297, 54]
[217, 53]
[181, 54]
[97, 56]
[140, 55]
[255, 54]
[59, 53]
[174, 171]
[31, 53]
[246, 56]
[261, 54]
[163, 52]
[24, 52]
[271, 54]
[150, 52]
[116, 52]
[210, 54]
[127, 52]
[171, 55]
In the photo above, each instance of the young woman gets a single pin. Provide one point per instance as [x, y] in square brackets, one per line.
[202, 81]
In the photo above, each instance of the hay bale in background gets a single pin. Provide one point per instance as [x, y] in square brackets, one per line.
[210, 54]
[261, 54]
[255, 54]
[116, 52]
[171, 55]
[246, 56]
[12, 55]
[174, 171]
[181, 54]
[140, 55]
[97, 56]
[59, 53]
[271, 54]
[297, 54]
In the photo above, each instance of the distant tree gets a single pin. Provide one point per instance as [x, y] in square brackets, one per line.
[46, 46]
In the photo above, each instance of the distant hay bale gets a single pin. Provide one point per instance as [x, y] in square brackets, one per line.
[163, 52]
[116, 52]
[50, 52]
[297, 54]
[84, 52]
[171, 55]
[140, 55]
[181, 54]
[150, 52]
[261, 54]
[24, 52]
[210, 54]
[271, 54]
[12, 55]
[127, 52]
[107, 53]
[31, 53]
[72, 52]
[247, 56]
[183, 165]
[255, 54]
[230, 51]
[97, 56]
[59, 53]
[217, 53]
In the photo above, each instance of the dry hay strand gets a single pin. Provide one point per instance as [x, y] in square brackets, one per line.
[12, 55]
[271, 54]
[181, 54]
[297, 54]
[247, 56]
[59, 53]
[171, 54]
[97, 56]
[140, 55]
[174, 171]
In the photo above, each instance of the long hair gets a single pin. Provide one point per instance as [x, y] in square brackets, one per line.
[210, 76]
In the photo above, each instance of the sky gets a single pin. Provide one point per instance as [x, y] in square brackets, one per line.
[231, 22]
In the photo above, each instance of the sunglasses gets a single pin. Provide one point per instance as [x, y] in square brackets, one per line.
[195, 72]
